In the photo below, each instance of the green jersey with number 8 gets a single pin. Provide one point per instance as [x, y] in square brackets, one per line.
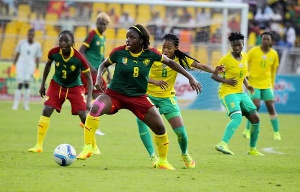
[132, 70]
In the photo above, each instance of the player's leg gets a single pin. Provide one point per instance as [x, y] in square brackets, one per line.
[154, 121]
[17, 95]
[54, 101]
[101, 105]
[268, 97]
[26, 95]
[145, 136]
[43, 126]
[256, 97]
[250, 112]
[96, 93]
[232, 105]
[169, 107]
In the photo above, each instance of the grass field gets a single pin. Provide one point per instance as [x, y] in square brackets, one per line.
[125, 166]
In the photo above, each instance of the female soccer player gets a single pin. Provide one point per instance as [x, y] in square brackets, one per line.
[65, 84]
[262, 66]
[26, 61]
[93, 48]
[235, 101]
[128, 87]
[162, 94]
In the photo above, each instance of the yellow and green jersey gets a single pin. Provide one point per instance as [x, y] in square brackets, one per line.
[262, 68]
[234, 69]
[160, 71]
[95, 43]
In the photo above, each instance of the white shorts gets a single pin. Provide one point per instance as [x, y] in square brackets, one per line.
[24, 73]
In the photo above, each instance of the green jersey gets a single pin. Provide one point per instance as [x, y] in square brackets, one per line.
[67, 71]
[132, 70]
[95, 43]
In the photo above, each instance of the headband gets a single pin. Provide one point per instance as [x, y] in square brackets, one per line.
[138, 30]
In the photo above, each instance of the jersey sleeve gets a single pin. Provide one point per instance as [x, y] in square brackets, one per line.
[88, 39]
[85, 66]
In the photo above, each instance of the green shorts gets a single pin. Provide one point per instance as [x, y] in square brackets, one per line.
[238, 103]
[165, 105]
[263, 94]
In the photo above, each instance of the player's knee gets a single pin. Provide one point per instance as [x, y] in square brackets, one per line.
[237, 118]
[97, 108]
[26, 85]
[254, 118]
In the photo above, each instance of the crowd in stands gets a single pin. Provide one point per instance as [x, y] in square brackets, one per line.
[281, 17]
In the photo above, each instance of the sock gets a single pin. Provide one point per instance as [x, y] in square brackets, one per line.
[17, 97]
[145, 136]
[90, 127]
[233, 124]
[26, 98]
[182, 138]
[275, 124]
[254, 134]
[162, 143]
[44, 123]
[248, 125]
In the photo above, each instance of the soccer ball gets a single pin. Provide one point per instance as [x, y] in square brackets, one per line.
[64, 154]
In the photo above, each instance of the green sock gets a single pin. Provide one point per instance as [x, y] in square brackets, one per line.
[248, 125]
[233, 124]
[275, 124]
[182, 138]
[145, 136]
[254, 134]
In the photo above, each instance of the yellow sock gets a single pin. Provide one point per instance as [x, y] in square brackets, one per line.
[90, 127]
[94, 142]
[44, 123]
[162, 143]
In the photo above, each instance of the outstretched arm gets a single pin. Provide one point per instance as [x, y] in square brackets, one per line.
[172, 64]
[102, 69]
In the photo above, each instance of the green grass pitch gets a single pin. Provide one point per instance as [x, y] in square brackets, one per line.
[125, 166]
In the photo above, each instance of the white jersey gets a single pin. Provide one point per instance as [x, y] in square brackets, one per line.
[26, 62]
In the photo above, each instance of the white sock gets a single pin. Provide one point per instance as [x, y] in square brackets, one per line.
[17, 97]
[26, 98]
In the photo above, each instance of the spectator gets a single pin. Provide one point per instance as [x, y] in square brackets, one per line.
[289, 34]
[126, 20]
[39, 23]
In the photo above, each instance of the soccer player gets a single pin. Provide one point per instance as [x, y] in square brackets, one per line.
[263, 62]
[65, 84]
[127, 90]
[26, 63]
[236, 102]
[93, 48]
[161, 92]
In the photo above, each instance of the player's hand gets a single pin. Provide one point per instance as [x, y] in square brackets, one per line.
[99, 84]
[219, 69]
[164, 85]
[232, 82]
[196, 85]
[12, 71]
[36, 74]
[88, 105]
[42, 91]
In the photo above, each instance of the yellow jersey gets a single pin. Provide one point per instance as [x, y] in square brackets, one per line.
[160, 71]
[233, 69]
[262, 68]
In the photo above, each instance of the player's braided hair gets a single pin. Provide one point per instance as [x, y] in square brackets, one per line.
[70, 34]
[235, 36]
[181, 55]
[143, 34]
